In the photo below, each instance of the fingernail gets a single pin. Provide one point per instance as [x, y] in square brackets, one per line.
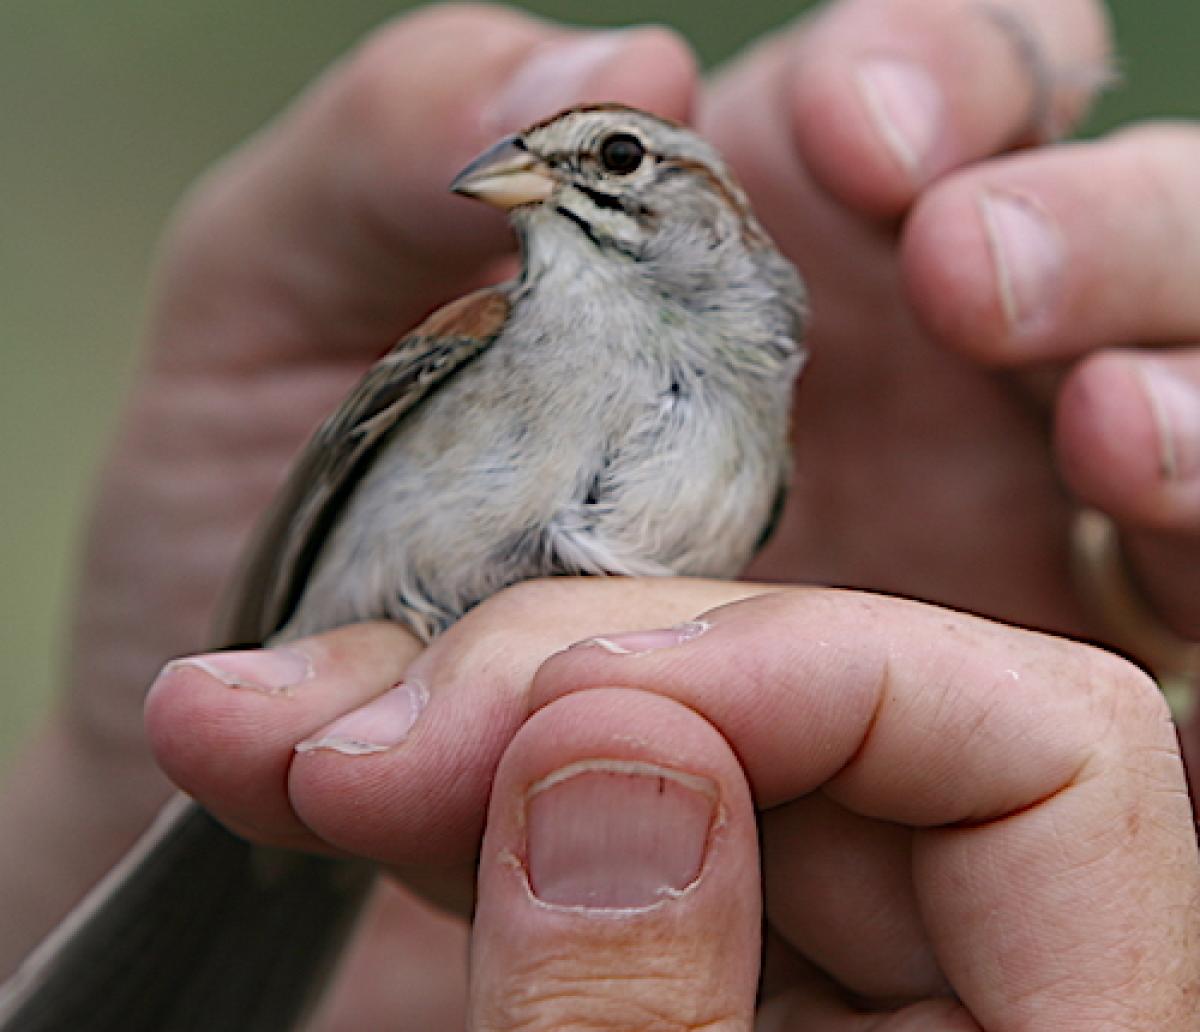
[616, 834]
[635, 643]
[1175, 405]
[554, 77]
[270, 671]
[379, 725]
[1027, 259]
[906, 106]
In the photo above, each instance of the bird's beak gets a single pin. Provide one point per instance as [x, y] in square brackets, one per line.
[506, 176]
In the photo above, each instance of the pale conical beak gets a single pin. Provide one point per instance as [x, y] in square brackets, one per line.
[506, 176]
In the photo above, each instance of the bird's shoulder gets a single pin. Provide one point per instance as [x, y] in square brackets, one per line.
[445, 341]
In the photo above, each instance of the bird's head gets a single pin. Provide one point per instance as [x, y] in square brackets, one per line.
[631, 183]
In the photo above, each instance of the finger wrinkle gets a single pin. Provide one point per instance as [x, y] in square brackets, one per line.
[603, 999]
[883, 692]
[1075, 779]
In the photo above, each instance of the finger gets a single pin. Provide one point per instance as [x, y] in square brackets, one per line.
[334, 230]
[618, 882]
[1128, 436]
[224, 726]
[1053, 254]
[341, 743]
[419, 797]
[887, 95]
[839, 890]
[1040, 776]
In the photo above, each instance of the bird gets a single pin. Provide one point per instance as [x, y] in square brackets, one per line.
[619, 408]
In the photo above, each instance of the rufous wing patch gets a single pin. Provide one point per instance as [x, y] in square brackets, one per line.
[479, 315]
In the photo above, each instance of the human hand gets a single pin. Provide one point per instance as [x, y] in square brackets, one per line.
[351, 322]
[291, 266]
[983, 317]
[966, 825]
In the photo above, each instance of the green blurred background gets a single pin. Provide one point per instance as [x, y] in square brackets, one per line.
[108, 110]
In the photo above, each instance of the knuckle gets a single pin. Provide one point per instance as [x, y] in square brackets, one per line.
[1126, 698]
[506, 633]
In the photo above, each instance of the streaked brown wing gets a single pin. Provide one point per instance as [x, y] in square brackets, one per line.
[285, 547]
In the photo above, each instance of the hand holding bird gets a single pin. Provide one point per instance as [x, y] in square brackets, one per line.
[296, 261]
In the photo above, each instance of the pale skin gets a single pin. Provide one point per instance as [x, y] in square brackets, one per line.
[928, 435]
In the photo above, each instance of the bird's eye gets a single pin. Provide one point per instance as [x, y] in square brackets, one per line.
[622, 153]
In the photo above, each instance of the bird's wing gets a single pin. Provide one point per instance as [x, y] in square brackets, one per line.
[282, 555]
[194, 930]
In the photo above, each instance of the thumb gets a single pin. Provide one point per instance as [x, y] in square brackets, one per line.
[618, 882]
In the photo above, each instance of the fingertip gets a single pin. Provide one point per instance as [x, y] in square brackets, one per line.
[656, 70]
[865, 130]
[620, 837]
[393, 156]
[1114, 445]
[1048, 255]
[223, 726]
[649, 67]
[221, 696]
[948, 274]
[211, 729]
[399, 783]
[170, 712]
[390, 811]
[887, 97]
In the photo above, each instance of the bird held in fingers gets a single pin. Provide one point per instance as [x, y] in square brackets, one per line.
[621, 407]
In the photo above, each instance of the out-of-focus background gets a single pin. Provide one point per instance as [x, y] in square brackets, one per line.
[107, 111]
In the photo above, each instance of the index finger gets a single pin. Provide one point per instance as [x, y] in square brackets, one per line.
[1056, 855]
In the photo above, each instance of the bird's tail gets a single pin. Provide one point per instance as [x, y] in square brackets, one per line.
[194, 930]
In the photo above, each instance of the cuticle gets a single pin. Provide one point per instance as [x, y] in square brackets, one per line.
[698, 783]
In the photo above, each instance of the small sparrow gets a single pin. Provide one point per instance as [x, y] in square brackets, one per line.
[621, 407]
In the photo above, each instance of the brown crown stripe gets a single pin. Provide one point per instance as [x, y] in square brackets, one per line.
[609, 105]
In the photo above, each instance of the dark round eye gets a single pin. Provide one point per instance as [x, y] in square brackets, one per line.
[622, 153]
